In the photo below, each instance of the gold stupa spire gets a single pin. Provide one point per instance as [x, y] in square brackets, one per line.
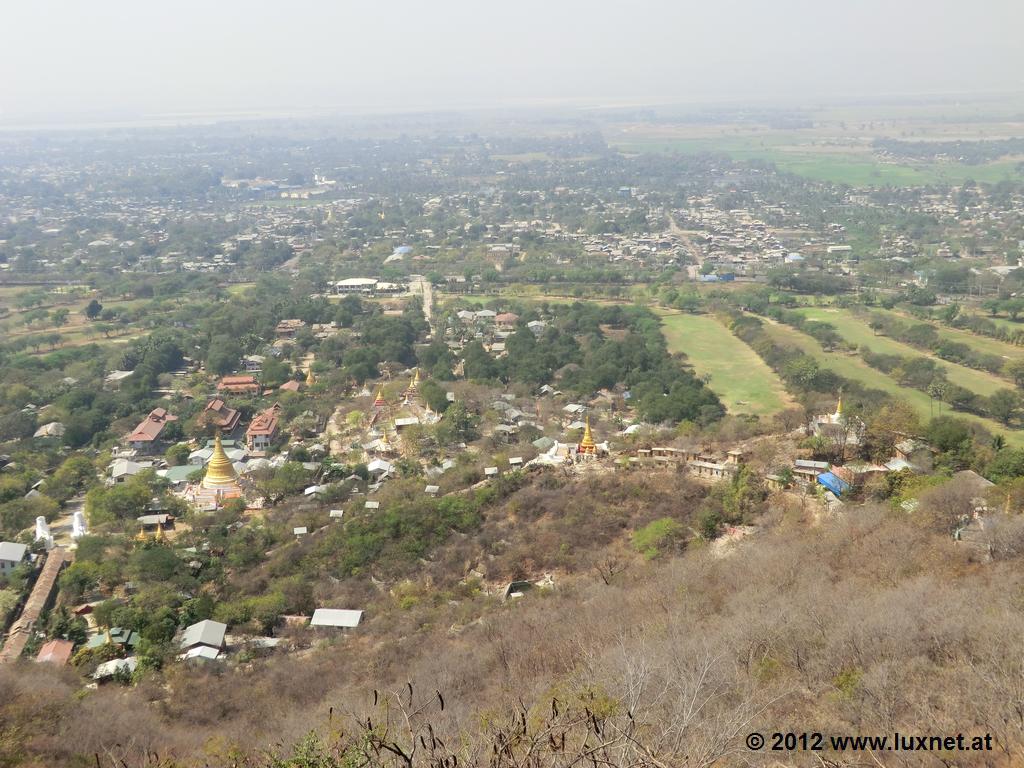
[587, 444]
[310, 377]
[379, 401]
[220, 472]
[414, 387]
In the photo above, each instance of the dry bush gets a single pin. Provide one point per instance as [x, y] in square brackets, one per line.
[863, 625]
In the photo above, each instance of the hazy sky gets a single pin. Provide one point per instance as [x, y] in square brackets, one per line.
[76, 58]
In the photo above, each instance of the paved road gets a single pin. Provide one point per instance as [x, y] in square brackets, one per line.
[419, 284]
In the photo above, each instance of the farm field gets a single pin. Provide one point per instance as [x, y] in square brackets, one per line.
[831, 150]
[855, 168]
[855, 369]
[737, 375]
[856, 331]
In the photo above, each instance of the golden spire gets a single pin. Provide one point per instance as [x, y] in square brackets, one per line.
[310, 378]
[220, 472]
[414, 387]
[587, 444]
[379, 401]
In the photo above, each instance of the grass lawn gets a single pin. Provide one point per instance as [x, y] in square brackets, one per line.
[738, 376]
[857, 331]
[976, 341]
[853, 368]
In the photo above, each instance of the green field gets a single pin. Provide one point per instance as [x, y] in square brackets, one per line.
[738, 376]
[856, 331]
[854, 368]
[977, 342]
[838, 165]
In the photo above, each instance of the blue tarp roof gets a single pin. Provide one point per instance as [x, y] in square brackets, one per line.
[834, 483]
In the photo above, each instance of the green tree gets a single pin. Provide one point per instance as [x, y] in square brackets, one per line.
[1003, 405]
[177, 455]
[434, 395]
[93, 309]
[657, 537]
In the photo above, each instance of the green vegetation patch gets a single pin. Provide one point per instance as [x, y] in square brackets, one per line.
[737, 375]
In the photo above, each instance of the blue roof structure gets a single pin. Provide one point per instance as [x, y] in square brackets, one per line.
[834, 483]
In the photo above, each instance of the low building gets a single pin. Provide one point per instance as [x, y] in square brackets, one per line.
[156, 522]
[263, 429]
[147, 436]
[807, 471]
[204, 634]
[125, 469]
[286, 329]
[712, 470]
[56, 652]
[219, 415]
[336, 618]
[108, 670]
[356, 285]
[240, 384]
[11, 556]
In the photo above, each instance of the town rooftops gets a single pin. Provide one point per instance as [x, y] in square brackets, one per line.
[336, 617]
[207, 632]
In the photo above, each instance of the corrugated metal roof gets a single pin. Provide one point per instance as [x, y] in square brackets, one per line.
[336, 617]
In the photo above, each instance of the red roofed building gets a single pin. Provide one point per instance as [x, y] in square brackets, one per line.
[263, 429]
[239, 385]
[146, 436]
[217, 414]
[56, 652]
[507, 319]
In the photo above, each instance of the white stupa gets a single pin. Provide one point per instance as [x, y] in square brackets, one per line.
[43, 532]
[78, 526]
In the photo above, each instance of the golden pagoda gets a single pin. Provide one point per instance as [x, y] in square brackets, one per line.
[379, 401]
[220, 472]
[414, 387]
[587, 445]
[310, 378]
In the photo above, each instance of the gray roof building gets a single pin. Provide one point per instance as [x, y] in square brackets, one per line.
[207, 632]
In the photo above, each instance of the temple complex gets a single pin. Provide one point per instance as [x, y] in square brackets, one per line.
[220, 482]
[412, 392]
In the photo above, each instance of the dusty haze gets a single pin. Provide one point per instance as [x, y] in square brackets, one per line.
[72, 60]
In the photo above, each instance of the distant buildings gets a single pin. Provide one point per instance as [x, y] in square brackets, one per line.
[367, 286]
